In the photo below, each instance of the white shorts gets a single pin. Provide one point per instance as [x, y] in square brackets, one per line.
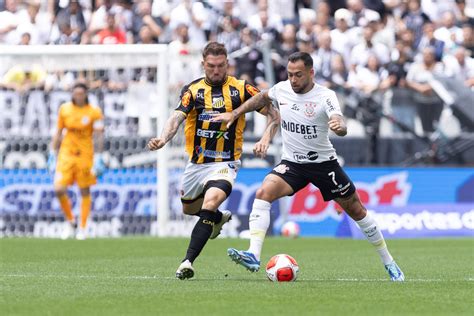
[196, 176]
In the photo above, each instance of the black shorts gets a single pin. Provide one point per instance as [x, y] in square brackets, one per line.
[328, 176]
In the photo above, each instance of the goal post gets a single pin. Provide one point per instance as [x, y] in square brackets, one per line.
[162, 170]
[54, 58]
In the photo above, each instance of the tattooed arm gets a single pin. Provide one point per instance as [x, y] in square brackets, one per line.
[273, 122]
[169, 131]
[256, 102]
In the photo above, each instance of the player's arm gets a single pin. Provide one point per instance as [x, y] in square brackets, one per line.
[99, 165]
[54, 149]
[99, 140]
[57, 137]
[257, 102]
[185, 106]
[337, 124]
[171, 127]
[273, 122]
[56, 140]
[99, 127]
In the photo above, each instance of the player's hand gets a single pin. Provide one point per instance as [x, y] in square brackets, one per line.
[156, 143]
[260, 149]
[338, 127]
[51, 164]
[227, 117]
[99, 165]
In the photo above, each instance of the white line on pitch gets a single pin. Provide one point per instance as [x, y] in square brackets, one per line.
[59, 276]
[147, 277]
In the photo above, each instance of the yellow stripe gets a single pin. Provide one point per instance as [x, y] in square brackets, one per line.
[189, 129]
[205, 124]
[191, 119]
[228, 108]
[239, 130]
[241, 85]
[179, 111]
[239, 137]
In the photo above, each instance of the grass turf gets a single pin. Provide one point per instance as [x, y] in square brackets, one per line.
[135, 276]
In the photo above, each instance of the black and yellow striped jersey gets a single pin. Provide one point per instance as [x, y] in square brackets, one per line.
[210, 141]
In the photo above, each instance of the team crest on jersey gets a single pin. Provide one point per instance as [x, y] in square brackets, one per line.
[186, 99]
[218, 103]
[310, 109]
[251, 89]
[281, 169]
[85, 120]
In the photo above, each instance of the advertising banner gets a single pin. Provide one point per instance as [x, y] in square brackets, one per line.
[415, 202]
[424, 220]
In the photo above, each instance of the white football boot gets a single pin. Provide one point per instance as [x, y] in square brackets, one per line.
[81, 234]
[68, 230]
[216, 229]
[185, 270]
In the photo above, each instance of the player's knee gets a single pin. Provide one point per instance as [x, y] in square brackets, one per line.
[223, 185]
[264, 194]
[60, 191]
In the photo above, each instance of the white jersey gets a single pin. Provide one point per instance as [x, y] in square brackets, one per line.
[304, 122]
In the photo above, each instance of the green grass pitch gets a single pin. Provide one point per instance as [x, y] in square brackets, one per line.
[135, 276]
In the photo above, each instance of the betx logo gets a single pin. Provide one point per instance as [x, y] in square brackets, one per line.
[212, 134]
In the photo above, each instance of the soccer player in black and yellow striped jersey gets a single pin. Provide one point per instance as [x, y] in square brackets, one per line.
[214, 150]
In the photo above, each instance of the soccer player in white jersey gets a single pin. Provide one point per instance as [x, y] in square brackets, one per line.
[307, 112]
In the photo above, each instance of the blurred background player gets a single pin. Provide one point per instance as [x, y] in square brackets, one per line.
[308, 111]
[73, 145]
[214, 153]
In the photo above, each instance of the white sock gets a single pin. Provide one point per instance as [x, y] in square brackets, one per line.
[369, 228]
[259, 220]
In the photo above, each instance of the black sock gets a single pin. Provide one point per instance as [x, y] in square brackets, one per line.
[198, 214]
[218, 216]
[200, 235]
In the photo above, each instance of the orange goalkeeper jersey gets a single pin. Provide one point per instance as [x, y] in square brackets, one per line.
[79, 123]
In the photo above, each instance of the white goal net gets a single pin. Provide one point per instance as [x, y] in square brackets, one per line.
[137, 87]
[136, 91]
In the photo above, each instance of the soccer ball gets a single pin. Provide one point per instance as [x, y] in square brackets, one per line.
[282, 268]
[290, 229]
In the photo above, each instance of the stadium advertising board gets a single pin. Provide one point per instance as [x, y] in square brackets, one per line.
[417, 202]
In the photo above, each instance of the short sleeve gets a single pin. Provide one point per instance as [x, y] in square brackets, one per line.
[60, 123]
[332, 104]
[249, 91]
[98, 119]
[186, 101]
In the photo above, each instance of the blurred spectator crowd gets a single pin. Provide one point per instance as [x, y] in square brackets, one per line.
[361, 48]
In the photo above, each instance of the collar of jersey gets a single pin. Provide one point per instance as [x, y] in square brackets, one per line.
[216, 85]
